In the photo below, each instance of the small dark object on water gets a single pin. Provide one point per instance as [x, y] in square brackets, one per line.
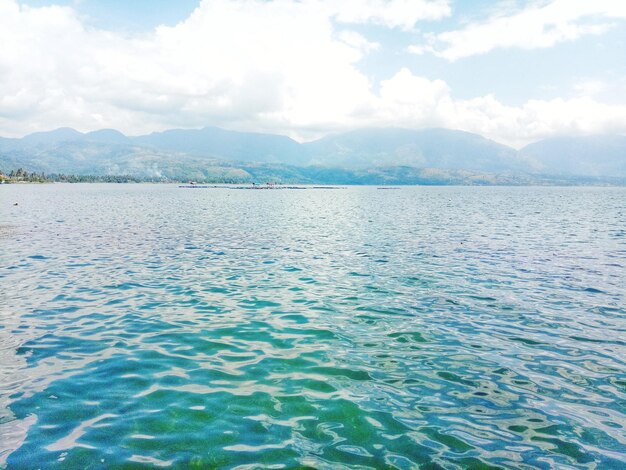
[15, 204]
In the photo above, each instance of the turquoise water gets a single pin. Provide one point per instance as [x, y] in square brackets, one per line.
[146, 325]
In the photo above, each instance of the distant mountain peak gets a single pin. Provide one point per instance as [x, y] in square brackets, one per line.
[108, 150]
[106, 136]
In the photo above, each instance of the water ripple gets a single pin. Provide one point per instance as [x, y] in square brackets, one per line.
[438, 327]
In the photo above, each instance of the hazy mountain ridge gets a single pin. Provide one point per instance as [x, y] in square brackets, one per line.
[440, 148]
[213, 141]
[367, 156]
[598, 155]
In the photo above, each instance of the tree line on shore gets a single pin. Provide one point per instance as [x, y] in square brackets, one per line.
[23, 176]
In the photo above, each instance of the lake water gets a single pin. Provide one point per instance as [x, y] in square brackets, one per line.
[449, 327]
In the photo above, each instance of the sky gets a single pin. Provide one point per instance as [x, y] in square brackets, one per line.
[513, 71]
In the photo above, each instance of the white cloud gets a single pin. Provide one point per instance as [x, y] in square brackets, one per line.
[233, 62]
[391, 13]
[409, 101]
[358, 41]
[537, 119]
[590, 87]
[538, 26]
[412, 101]
[283, 66]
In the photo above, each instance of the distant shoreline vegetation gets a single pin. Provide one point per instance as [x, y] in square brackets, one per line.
[387, 176]
[22, 176]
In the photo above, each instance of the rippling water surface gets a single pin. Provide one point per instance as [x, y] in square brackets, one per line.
[146, 325]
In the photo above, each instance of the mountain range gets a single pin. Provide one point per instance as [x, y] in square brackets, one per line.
[369, 156]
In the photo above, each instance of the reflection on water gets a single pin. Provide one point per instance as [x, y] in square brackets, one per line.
[152, 325]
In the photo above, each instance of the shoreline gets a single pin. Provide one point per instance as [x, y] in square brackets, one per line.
[395, 186]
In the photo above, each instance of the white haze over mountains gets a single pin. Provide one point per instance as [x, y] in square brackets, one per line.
[287, 67]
